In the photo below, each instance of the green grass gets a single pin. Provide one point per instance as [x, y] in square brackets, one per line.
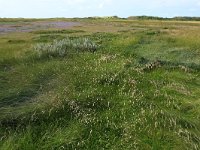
[140, 89]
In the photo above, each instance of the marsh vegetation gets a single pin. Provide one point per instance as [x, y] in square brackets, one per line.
[100, 84]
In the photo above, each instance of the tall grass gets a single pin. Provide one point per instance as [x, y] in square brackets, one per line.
[61, 48]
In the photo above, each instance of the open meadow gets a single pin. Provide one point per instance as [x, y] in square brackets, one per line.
[92, 84]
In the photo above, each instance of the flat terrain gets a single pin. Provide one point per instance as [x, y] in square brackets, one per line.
[99, 84]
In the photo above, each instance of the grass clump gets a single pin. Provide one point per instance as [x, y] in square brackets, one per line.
[61, 48]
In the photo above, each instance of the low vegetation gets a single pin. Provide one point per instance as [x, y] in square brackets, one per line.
[64, 47]
[57, 31]
[102, 88]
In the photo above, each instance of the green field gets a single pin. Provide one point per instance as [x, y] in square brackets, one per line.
[99, 84]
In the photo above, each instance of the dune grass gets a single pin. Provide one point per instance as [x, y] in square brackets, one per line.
[139, 89]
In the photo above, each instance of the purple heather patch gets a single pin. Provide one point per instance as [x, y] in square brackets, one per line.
[36, 26]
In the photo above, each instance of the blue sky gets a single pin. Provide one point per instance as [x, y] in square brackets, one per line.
[85, 8]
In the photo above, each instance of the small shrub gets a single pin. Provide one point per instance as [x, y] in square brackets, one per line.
[61, 48]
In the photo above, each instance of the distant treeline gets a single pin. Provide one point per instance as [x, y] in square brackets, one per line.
[161, 18]
[147, 18]
[105, 17]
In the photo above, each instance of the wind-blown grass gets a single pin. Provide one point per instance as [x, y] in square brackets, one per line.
[138, 90]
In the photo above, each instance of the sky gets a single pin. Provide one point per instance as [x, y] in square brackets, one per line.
[88, 8]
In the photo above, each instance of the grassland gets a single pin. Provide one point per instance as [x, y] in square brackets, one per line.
[139, 89]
